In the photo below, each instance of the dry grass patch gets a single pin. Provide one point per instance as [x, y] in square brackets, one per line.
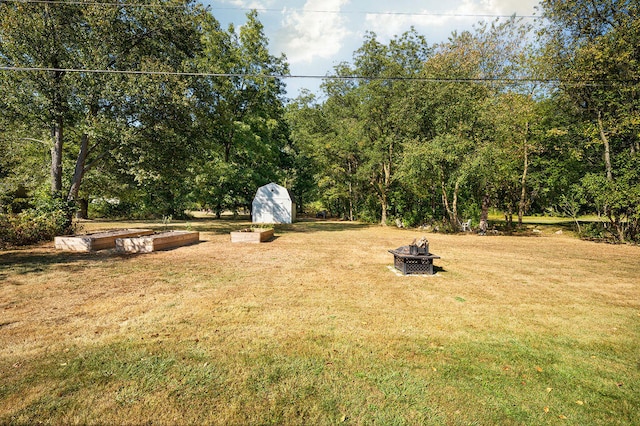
[314, 328]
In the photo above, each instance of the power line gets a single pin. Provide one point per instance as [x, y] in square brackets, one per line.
[523, 80]
[389, 13]
[221, 8]
[93, 3]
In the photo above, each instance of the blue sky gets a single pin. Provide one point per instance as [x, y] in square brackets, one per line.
[316, 35]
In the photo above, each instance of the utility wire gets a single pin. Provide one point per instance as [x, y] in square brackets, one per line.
[94, 3]
[337, 12]
[523, 80]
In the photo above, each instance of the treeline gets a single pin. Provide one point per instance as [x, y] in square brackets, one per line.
[521, 118]
[152, 110]
[137, 110]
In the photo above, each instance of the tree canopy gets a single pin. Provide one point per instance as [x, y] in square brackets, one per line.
[146, 110]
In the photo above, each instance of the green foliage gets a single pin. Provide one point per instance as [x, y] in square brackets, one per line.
[595, 44]
[239, 120]
[50, 217]
[596, 231]
[97, 116]
[446, 149]
[113, 209]
[461, 139]
[385, 148]
[152, 141]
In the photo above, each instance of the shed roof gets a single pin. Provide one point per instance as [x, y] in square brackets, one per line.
[274, 191]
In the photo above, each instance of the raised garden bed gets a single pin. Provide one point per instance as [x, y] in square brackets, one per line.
[97, 241]
[252, 235]
[161, 241]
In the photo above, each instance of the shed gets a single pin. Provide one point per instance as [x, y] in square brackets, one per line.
[273, 204]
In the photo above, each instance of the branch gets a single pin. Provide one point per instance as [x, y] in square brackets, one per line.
[29, 139]
[600, 15]
[94, 146]
[95, 161]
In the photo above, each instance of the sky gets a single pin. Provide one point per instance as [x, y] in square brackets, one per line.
[316, 35]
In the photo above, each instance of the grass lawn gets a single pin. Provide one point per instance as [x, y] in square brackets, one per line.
[314, 328]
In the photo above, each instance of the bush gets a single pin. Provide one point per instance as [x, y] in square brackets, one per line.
[113, 209]
[49, 218]
[596, 231]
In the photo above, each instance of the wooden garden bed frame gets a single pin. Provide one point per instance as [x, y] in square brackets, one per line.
[252, 235]
[161, 241]
[97, 241]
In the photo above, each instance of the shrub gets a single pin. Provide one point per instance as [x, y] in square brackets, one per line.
[596, 231]
[112, 208]
[49, 218]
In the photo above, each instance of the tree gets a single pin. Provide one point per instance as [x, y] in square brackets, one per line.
[592, 50]
[240, 117]
[307, 124]
[512, 134]
[54, 40]
[458, 134]
[376, 113]
[341, 148]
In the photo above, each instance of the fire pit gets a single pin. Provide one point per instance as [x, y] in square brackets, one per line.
[414, 258]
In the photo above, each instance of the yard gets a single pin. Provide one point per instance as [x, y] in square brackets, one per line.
[314, 328]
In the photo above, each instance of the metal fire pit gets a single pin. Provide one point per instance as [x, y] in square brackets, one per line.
[408, 260]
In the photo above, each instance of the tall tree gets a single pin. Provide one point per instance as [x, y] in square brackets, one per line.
[308, 125]
[383, 100]
[592, 49]
[341, 147]
[457, 135]
[240, 115]
[53, 40]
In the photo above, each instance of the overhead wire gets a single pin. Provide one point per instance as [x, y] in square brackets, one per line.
[95, 3]
[264, 9]
[525, 80]
[503, 80]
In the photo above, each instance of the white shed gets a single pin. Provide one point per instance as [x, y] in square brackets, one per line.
[273, 204]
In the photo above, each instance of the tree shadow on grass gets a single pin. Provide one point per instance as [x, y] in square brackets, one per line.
[227, 225]
[321, 226]
[36, 260]
[41, 259]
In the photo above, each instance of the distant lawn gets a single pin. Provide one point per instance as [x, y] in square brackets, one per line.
[313, 328]
[548, 220]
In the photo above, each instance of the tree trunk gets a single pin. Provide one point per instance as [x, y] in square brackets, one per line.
[386, 168]
[445, 201]
[83, 208]
[613, 218]
[56, 158]
[227, 152]
[445, 198]
[454, 210]
[350, 192]
[383, 202]
[523, 193]
[484, 214]
[618, 225]
[350, 201]
[78, 174]
[607, 149]
[508, 217]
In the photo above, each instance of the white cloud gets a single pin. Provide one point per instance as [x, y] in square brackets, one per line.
[497, 7]
[314, 32]
[461, 14]
[389, 25]
[251, 4]
[314, 40]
